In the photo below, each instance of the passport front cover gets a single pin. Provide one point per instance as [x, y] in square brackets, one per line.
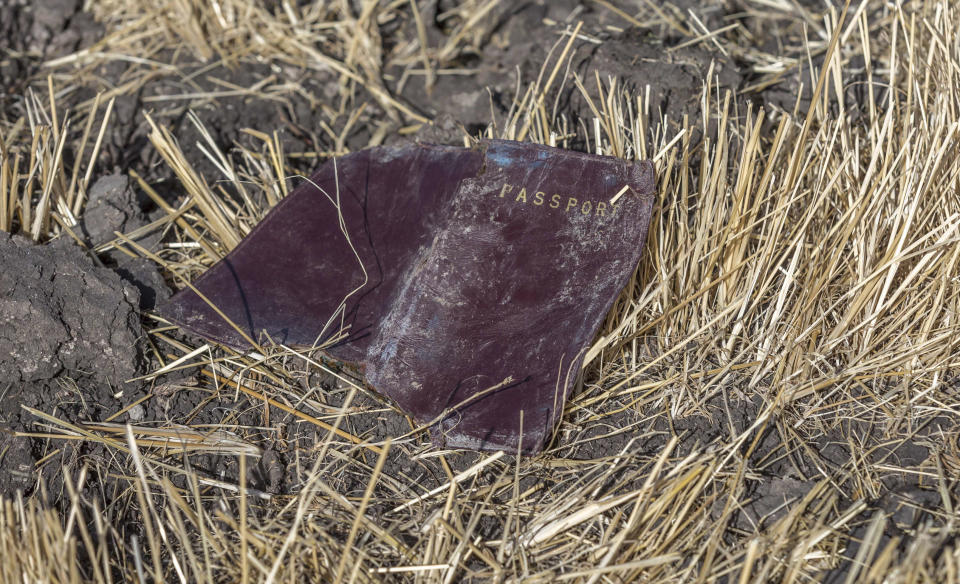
[465, 284]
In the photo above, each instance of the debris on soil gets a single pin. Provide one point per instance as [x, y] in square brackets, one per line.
[469, 281]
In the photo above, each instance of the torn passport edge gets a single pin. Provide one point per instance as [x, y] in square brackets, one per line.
[468, 267]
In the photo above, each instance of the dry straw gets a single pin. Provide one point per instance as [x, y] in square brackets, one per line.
[804, 262]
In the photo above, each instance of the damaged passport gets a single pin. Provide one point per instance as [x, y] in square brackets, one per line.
[465, 284]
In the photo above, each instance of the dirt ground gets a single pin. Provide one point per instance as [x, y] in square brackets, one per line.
[80, 344]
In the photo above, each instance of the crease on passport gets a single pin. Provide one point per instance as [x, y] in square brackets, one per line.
[486, 264]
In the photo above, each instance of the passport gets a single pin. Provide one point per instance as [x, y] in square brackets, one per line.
[464, 284]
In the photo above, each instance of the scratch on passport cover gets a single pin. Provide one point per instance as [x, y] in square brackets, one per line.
[442, 272]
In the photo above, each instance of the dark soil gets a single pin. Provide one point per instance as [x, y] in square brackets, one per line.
[70, 336]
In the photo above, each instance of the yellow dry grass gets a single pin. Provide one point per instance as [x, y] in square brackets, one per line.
[807, 264]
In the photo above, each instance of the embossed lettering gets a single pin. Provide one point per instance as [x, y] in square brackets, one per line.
[539, 198]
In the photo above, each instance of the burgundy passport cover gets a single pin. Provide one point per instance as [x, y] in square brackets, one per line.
[444, 271]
